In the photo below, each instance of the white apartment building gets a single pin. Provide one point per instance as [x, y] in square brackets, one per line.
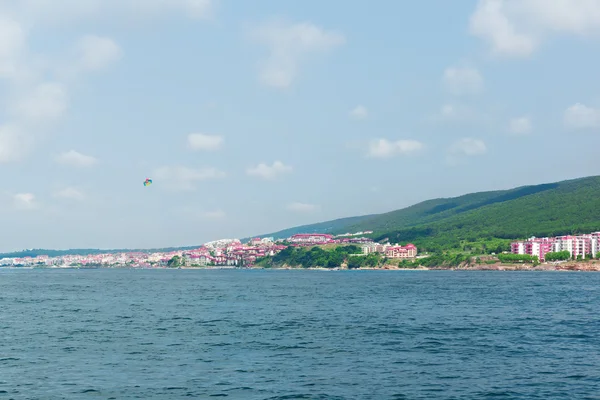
[581, 245]
[577, 245]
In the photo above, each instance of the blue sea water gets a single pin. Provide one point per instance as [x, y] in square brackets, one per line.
[259, 334]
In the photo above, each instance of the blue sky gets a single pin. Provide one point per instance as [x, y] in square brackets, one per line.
[256, 116]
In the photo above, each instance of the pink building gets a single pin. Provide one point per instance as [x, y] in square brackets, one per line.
[534, 247]
[408, 251]
[539, 247]
[582, 245]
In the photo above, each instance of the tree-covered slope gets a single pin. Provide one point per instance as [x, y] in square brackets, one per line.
[567, 207]
[441, 209]
[337, 226]
[547, 209]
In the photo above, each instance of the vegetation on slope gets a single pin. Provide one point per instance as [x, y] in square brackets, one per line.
[337, 226]
[350, 255]
[311, 257]
[486, 222]
[570, 207]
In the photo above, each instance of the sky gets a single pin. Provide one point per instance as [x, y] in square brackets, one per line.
[255, 116]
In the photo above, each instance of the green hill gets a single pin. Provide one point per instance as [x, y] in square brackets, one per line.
[337, 226]
[571, 206]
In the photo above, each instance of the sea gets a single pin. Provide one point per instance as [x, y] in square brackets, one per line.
[287, 334]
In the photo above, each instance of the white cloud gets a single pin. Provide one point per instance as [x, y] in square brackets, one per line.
[47, 101]
[196, 9]
[290, 44]
[383, 148]
[520, 126]
[517, 28]
[43, 11]
[184, 178]
[580, 116]
[64, 11]
[97, 53]
[465, 147]
[264, 171]
[12, 42]
[462, 81]
[76, 159]
[216, 214]
[194, 212]
[458, 112]
[70, 193]
[32, 101]
[32, 98]
[302, 207]
[13, 143]
[200, 141]
[469, 147]
[25, 201]
[359, 112]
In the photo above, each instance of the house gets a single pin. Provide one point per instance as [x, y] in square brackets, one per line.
[408, 251]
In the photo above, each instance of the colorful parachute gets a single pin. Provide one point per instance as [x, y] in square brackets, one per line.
[148, 182]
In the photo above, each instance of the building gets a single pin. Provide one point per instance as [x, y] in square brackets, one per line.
[312, 238]
[595, 244]
[539, 247]
[408, 251]
[517, 247]
[534, 247]
[369, 248]
[581, 245]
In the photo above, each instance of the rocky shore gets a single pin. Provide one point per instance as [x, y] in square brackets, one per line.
[589, 266]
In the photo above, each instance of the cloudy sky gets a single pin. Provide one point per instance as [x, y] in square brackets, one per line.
[253, 116]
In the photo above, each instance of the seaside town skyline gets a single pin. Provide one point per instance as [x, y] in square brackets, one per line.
[233, 253]
[221, 253]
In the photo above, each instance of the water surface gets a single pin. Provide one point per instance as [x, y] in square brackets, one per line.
[240, 334]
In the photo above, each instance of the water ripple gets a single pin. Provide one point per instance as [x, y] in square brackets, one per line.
[159, 334]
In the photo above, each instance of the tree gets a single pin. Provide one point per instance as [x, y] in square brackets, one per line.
[557, 256]
[517, 258]
[355, 262]
[175, 262]
[335, 260]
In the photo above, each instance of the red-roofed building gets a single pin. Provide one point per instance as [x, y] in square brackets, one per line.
[408, 251]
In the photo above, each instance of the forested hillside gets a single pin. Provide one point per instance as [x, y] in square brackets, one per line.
[571, 206]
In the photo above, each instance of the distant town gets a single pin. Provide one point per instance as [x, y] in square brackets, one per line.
[232, 253]
[222, 253]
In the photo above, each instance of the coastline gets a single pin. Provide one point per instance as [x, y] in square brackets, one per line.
[589, 266]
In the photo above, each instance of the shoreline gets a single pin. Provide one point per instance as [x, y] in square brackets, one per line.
[563, 267]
